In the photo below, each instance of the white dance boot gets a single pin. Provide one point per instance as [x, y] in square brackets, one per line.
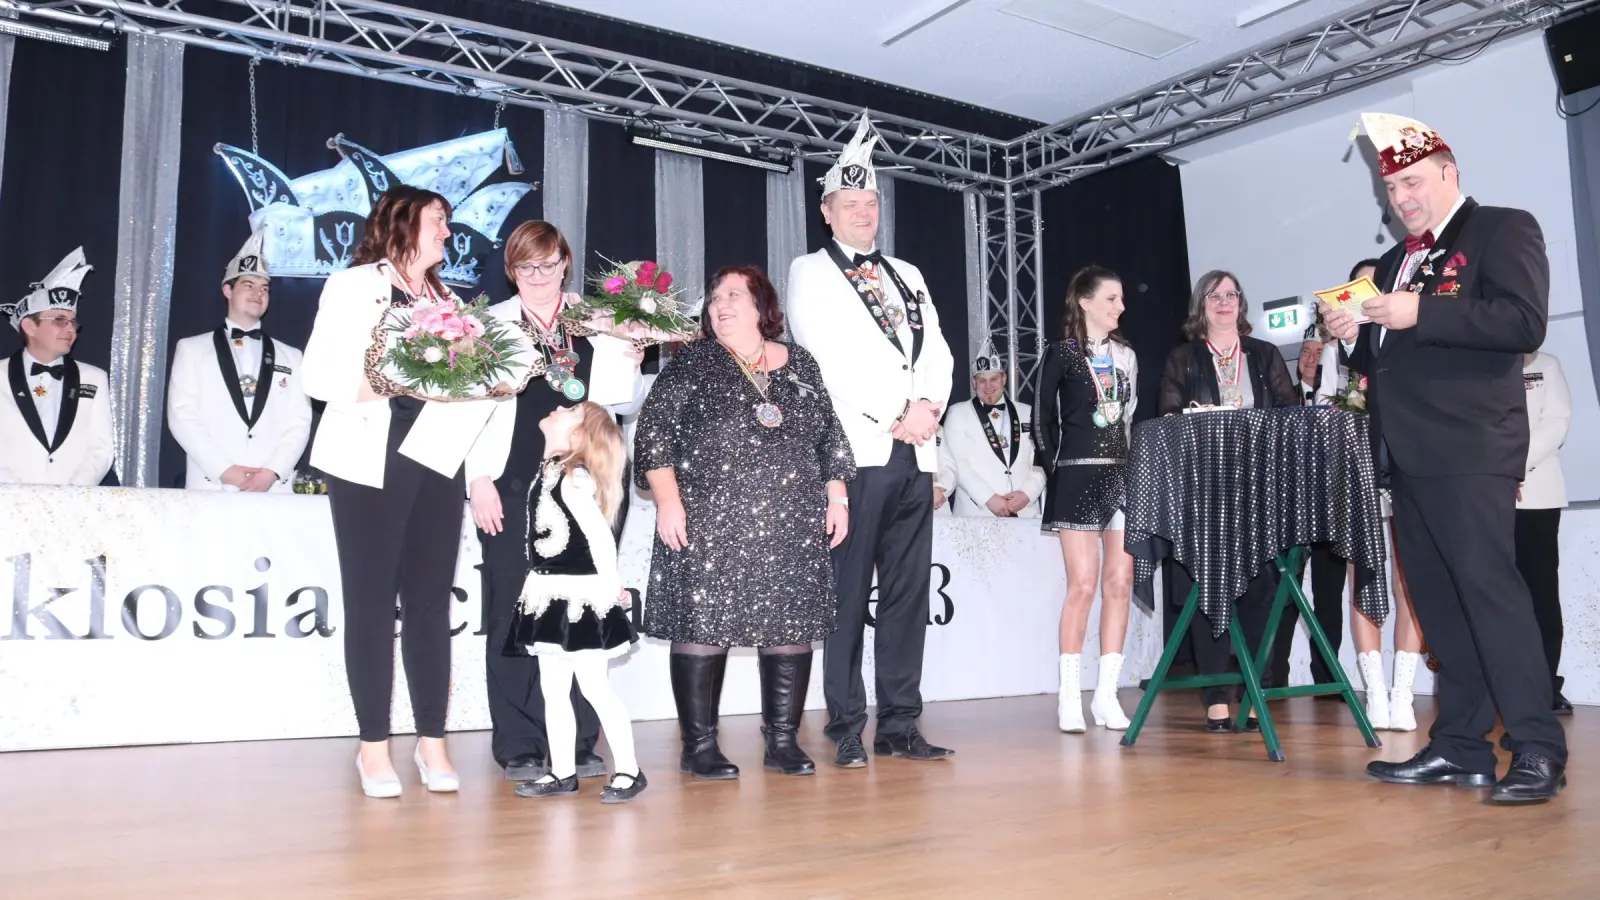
[1401, 715]
[1371, 664]
[1069, 706]
[1104, 707]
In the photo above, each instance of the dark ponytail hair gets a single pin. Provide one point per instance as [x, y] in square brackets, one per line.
[1084, 283]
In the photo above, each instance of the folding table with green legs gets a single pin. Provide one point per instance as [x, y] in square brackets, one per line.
[1221, 490]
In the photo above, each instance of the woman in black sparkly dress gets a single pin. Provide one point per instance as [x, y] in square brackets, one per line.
[1223, 366]
[739, 444]
[1087, 393]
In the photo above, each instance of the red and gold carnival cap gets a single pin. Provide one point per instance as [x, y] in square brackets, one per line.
[1400, 141]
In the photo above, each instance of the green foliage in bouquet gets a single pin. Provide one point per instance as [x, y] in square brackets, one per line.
[449, 351]
[1353, 398]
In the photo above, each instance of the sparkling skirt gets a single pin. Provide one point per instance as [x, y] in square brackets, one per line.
[1085, 496]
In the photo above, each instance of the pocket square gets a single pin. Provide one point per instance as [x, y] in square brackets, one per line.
[1456, 260]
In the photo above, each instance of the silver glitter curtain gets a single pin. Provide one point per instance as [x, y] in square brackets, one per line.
[885, 214]
[977, 303]
[148, 202]
[566, 183]
[786, 224]
[681, 222]
[7, 43]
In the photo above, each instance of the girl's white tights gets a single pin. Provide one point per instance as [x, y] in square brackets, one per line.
[556, 673]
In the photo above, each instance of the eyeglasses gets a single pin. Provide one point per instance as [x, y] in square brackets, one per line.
[59, 322]
[1219, 296]
[549, 268]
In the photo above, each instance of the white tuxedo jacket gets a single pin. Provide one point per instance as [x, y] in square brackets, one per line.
[970, 472]
[81, 450]
[208, 414]
[869, 380]
[487, 458]
[1549, 418]
[353, 436]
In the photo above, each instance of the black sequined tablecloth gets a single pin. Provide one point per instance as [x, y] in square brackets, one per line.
[1224, 492]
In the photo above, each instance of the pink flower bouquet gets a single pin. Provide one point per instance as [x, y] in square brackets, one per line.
[635, 301]
[443, 350]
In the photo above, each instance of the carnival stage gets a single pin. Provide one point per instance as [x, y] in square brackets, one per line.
[1020, 811]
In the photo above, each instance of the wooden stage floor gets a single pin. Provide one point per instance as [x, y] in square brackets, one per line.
[1022, 811]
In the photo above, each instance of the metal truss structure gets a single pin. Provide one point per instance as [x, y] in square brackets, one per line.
[1370, 42]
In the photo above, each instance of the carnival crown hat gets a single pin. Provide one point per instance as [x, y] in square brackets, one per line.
[854, 169]
[58, 290]
[250, 260]
[988, 359]
[1400, 141]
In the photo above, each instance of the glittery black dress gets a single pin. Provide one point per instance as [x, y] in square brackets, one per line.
[1087, 463]
[756, 572]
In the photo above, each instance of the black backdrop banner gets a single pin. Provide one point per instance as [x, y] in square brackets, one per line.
[63, 171]
[929, 233]
[298, 110]
[736, 215]
[1130, 220]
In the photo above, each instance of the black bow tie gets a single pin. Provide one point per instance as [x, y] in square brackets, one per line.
[241, 333]
[58, 370]
[991, 408]
[861, 259]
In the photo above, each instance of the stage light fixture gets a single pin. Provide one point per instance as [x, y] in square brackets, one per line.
[70, 39]
[769, 158]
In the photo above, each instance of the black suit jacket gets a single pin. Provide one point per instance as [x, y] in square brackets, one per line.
[1189, 377]
[1446, 396]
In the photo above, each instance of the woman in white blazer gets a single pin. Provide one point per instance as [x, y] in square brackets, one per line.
[1539, 503]
[395, 485]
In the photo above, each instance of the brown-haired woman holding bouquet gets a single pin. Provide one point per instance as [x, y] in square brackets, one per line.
[395, 486]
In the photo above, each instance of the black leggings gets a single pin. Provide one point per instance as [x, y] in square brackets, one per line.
[1214, 656]
[401, 538]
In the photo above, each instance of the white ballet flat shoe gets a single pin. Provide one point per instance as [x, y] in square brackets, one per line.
[436, 782]
[379, 788]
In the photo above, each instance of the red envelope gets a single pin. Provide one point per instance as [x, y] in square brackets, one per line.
[1456, 260]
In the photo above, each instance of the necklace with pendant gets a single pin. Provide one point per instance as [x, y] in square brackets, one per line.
[556, 345]
[767, 412]
[1108, 411]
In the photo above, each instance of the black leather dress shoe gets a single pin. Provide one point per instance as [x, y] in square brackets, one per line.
[1223, 725]
[1428, 767]
[1531, 779]
[613, 794]
[1252, 725]
[911, 745]
[1562, 706]
[850, 754]
[591, 765]
[527, 767]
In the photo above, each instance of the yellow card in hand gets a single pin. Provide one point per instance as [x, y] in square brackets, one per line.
[1350, 296]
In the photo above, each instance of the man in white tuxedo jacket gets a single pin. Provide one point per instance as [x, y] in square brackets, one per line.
[1540, 500]
[985, 458]
[867, 319]
[234, 402]
[55, 420]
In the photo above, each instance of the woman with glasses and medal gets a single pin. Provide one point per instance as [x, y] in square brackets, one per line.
[503, 470]
[739, 445]
[1081, 415]
[1222, 366]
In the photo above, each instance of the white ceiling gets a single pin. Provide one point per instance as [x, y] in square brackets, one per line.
[974, 52]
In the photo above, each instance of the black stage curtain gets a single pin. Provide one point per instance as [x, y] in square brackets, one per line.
[1130, 220]
[63, 171]
[693, 52]
[622, 206]
[736, 216]
[817, 231]
[298, 111]
[930, 234]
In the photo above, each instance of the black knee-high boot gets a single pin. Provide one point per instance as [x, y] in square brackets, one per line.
[697, 688]
[784, 679]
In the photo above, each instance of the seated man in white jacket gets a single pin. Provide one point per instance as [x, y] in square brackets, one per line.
[55, 416]
[985, 458]
[1539, 503]
[234, 401]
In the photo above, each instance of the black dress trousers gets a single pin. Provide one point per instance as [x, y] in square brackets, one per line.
[1327, 603]
[1214, 656]
[1456, 534]
[891, 531]
[516, 705]
[1539, 561]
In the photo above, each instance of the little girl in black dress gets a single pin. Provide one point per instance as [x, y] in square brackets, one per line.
[572, 613]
